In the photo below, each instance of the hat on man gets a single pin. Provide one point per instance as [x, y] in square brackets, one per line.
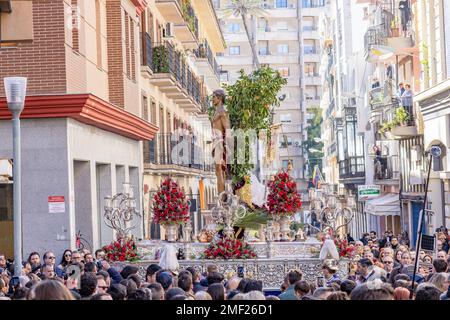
[330, 264]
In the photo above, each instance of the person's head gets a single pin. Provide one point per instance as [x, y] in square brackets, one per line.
[101, 296]
[34, 259]
[165, 279]
[272, 298]
[130, 285]
[66, 258]
[216, 291]
[347, 286]
[394, 241]
[406, 258]
[88, 257]
[373, 234]
[105, 276]
[76, 257]
[373, 290]
[48, 271]
[141, 294]
[401, 293]
[233, 284]
[338, 295]
[302, 288]
[375, 246]
[26, 268]
[100, 254]
[239, 296]
[151, 273]
[439, 265]
[172, 292]
[185, 282]
[50, 290]
[364, 266]
[401, 85]
[253, 285]
[440, 281]
[388, 263]
[427, 291]
[20, 293]
[202, 295]
[421, 255]
[242, 284]
[3, 286]
[2, 261]
[407, 87]
[255, 295]
[427, 259]
[195, 274]
[102, 287]
[218, 97]
[294, 276]
[90, 267]
[157, 291]
[128, 270]
[402, 247]
[322, 293]
[214, 277]
[117, 291]
[441, 255]
[369, 255]
[49, 258]
[88, 284]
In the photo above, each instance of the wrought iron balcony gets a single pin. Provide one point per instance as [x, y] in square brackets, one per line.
[147, 52]
[352, 167]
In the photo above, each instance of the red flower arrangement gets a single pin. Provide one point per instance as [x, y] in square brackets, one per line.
[227, 248]
[283, 198]
[123, 249]
[170, 204]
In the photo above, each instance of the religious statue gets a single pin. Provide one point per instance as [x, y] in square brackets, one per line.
[220, 123]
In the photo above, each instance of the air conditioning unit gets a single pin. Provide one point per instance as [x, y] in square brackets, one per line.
[168, 30]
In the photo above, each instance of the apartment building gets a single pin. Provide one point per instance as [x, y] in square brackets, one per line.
[433, 36]
[82, 126]
[286, 39]
[178, 72]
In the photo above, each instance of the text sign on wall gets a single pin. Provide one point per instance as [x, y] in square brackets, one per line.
[56, 204]
[368, 192]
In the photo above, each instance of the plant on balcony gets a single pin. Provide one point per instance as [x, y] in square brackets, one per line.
[248, 102]
[401, 118]
[161, 59]
[188, 14]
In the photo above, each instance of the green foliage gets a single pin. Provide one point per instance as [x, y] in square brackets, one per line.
[401, 117]
[252, 220]
[187, 14]
[248, 104]
[314, 132]
[296, 226]
[161, 59]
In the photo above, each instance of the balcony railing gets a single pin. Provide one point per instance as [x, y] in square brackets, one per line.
[352, 167]
[167, 60]
[310, 28]
[204, 52]
[375, 36]
[311, 50]
[147, 55]
[384, 169]
[313, 3]
[161, 152]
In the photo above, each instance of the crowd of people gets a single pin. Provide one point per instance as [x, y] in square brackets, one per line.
[381, 269]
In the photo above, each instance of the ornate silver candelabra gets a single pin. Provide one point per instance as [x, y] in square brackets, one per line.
[120, 210]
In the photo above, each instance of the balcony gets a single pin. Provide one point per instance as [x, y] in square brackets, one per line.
[375, 36]
[207, 65]
[312, 79]
[277, 35]
[188, 30]
[312, 7]
[235, 37]
[172, 76]
[291, 128]
[351, 168]
[386, 170]
[161, 156]
[311, 54]
[171, 10]
[310, 32]
[278, 58]
[391, 128]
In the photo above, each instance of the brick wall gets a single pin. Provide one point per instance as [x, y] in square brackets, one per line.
[42, 61]
[115, 52]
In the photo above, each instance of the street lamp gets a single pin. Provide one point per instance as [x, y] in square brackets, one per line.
[15, 88]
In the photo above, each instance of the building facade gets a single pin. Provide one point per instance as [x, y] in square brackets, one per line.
[286, 39]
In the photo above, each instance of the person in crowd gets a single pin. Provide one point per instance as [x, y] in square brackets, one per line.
[394, 244]
[47, 272]
[88, 285]
[439, 266]
[117, 291]
[66, 260]
[99, 254]
[141, 294]
[253, 285]
[407, 99]
[302, 289]
[76, 257]
[347, 286]
[427, 259]
[49, 290]
[366, 271]
[186, 284]
[401, 90]
[404, 263]
[157, 291]
[388, 263]
[401, 293]
[202, 295]
[216, 291]
[172, 292]
[50, 260]
[34, 259]
[128, 270]
[232, 284]
[293, 277]
[373, 290]
[101, 296]
[322, 293]
[338, 295]
[441, 255]
[427, 291]
[440, 281]
[165, 279]
[26, 268]
[102, 286]
[254, 295]
[90, 267]
[329, 271]
[88, 257]
[150, 275]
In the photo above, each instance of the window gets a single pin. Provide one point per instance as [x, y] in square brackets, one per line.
[216, 4]
[285, 141]
[285, 164]
[264, 48]
[284, 71]
[281, 4]
[234, 27]
[224, 76]
[235, 50]
[286, 118]
[282, 25]
[283, 48]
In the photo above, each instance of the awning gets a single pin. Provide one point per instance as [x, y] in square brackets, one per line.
[384, 205]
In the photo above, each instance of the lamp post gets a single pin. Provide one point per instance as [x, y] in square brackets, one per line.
[15, 89]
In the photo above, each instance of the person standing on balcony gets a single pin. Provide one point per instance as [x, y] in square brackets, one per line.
[407, 99]
[405, 15]
[220, 124]
[401, 89]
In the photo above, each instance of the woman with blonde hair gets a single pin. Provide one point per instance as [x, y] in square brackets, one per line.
[50, 290]
[202, 295]
[440, 280]
[401, 293]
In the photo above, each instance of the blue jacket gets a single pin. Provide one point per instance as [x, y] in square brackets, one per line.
[289, 294]
[115, 275]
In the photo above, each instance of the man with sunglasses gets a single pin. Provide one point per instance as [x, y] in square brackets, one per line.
[50, 260]
[388, 263]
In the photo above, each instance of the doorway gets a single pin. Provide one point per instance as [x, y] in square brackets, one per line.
[6, 220]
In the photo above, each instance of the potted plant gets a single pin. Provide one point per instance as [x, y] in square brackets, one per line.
[170, 207]
[395, 30]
